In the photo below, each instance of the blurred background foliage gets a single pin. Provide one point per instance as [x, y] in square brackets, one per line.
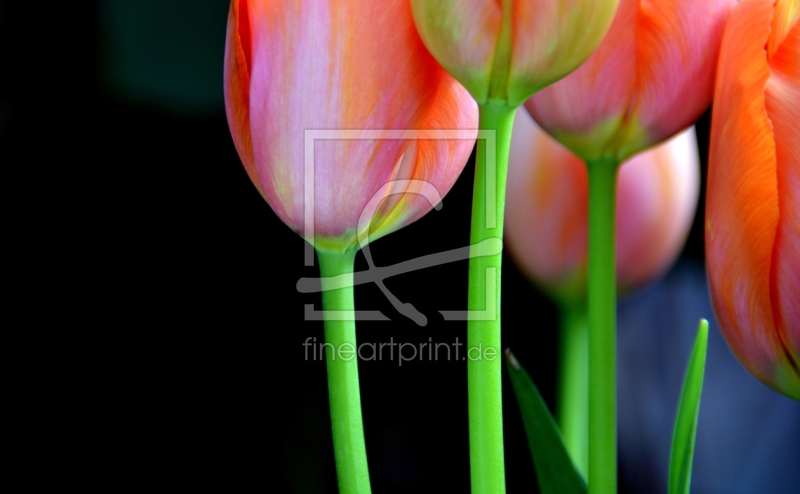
[142, 228]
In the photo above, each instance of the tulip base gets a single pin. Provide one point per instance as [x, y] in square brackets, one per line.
[343, 388]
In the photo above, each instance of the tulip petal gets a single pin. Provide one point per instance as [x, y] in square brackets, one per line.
[650, 78]
[237, 85]
[657, 195]
[787, 12]
[439, 162]
[462, 35]
[742, 209]
[572, 110]
[551, 39]
[676, 39]
[783, 107]
[334, 65]
[545, 220]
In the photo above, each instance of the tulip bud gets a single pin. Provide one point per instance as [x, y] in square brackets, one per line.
[506, 50]
[546, 221]
[652, 76]
[753, 199]
[357, 64]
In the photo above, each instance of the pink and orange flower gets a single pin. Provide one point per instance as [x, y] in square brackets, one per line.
[652, 76]
[547, 227]
[355, 64]
[753, 201]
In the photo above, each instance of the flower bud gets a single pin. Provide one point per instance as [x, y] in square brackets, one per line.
[506, 50]
[291, 67]
[753, 199]
[546, 217]
[652, 76]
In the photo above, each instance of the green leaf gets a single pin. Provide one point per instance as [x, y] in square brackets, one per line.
[554, 469]
[683, 437]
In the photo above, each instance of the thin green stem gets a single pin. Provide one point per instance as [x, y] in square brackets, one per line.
[602, 296]
[340, 352]
[573, 389]
[483, 329]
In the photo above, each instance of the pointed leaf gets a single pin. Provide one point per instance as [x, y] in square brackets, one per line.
[683, 437]
[554, 468]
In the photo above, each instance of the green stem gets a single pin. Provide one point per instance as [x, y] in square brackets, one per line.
[573, 392]
[602, 295]
[340, 352]
[483, 329]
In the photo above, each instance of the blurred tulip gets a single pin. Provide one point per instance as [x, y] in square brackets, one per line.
[506, 50]
[358, 64]
[652, 76]
[546, 221]
[753, 201]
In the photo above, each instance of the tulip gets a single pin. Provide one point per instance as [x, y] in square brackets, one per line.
[652, 76]
[546, 235]
[356, 64]
[292, 66]
[502, 51]
[546, 229]
[506, 50]
[753, 201]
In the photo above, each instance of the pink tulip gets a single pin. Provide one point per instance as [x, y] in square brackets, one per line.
[546, 221]
[357, 64]
[505, 50]
[753, 201]
[652, 76]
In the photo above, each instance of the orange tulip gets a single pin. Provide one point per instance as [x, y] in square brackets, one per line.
[356, 64]
[753, 201]
[652, 76]
[505, 50]
[546, 228]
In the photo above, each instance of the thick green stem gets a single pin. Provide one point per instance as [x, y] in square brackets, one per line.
[602, 297]
[573, 389]
[341, 355]
[483, 330]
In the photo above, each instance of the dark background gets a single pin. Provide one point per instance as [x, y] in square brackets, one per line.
[135, 224]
